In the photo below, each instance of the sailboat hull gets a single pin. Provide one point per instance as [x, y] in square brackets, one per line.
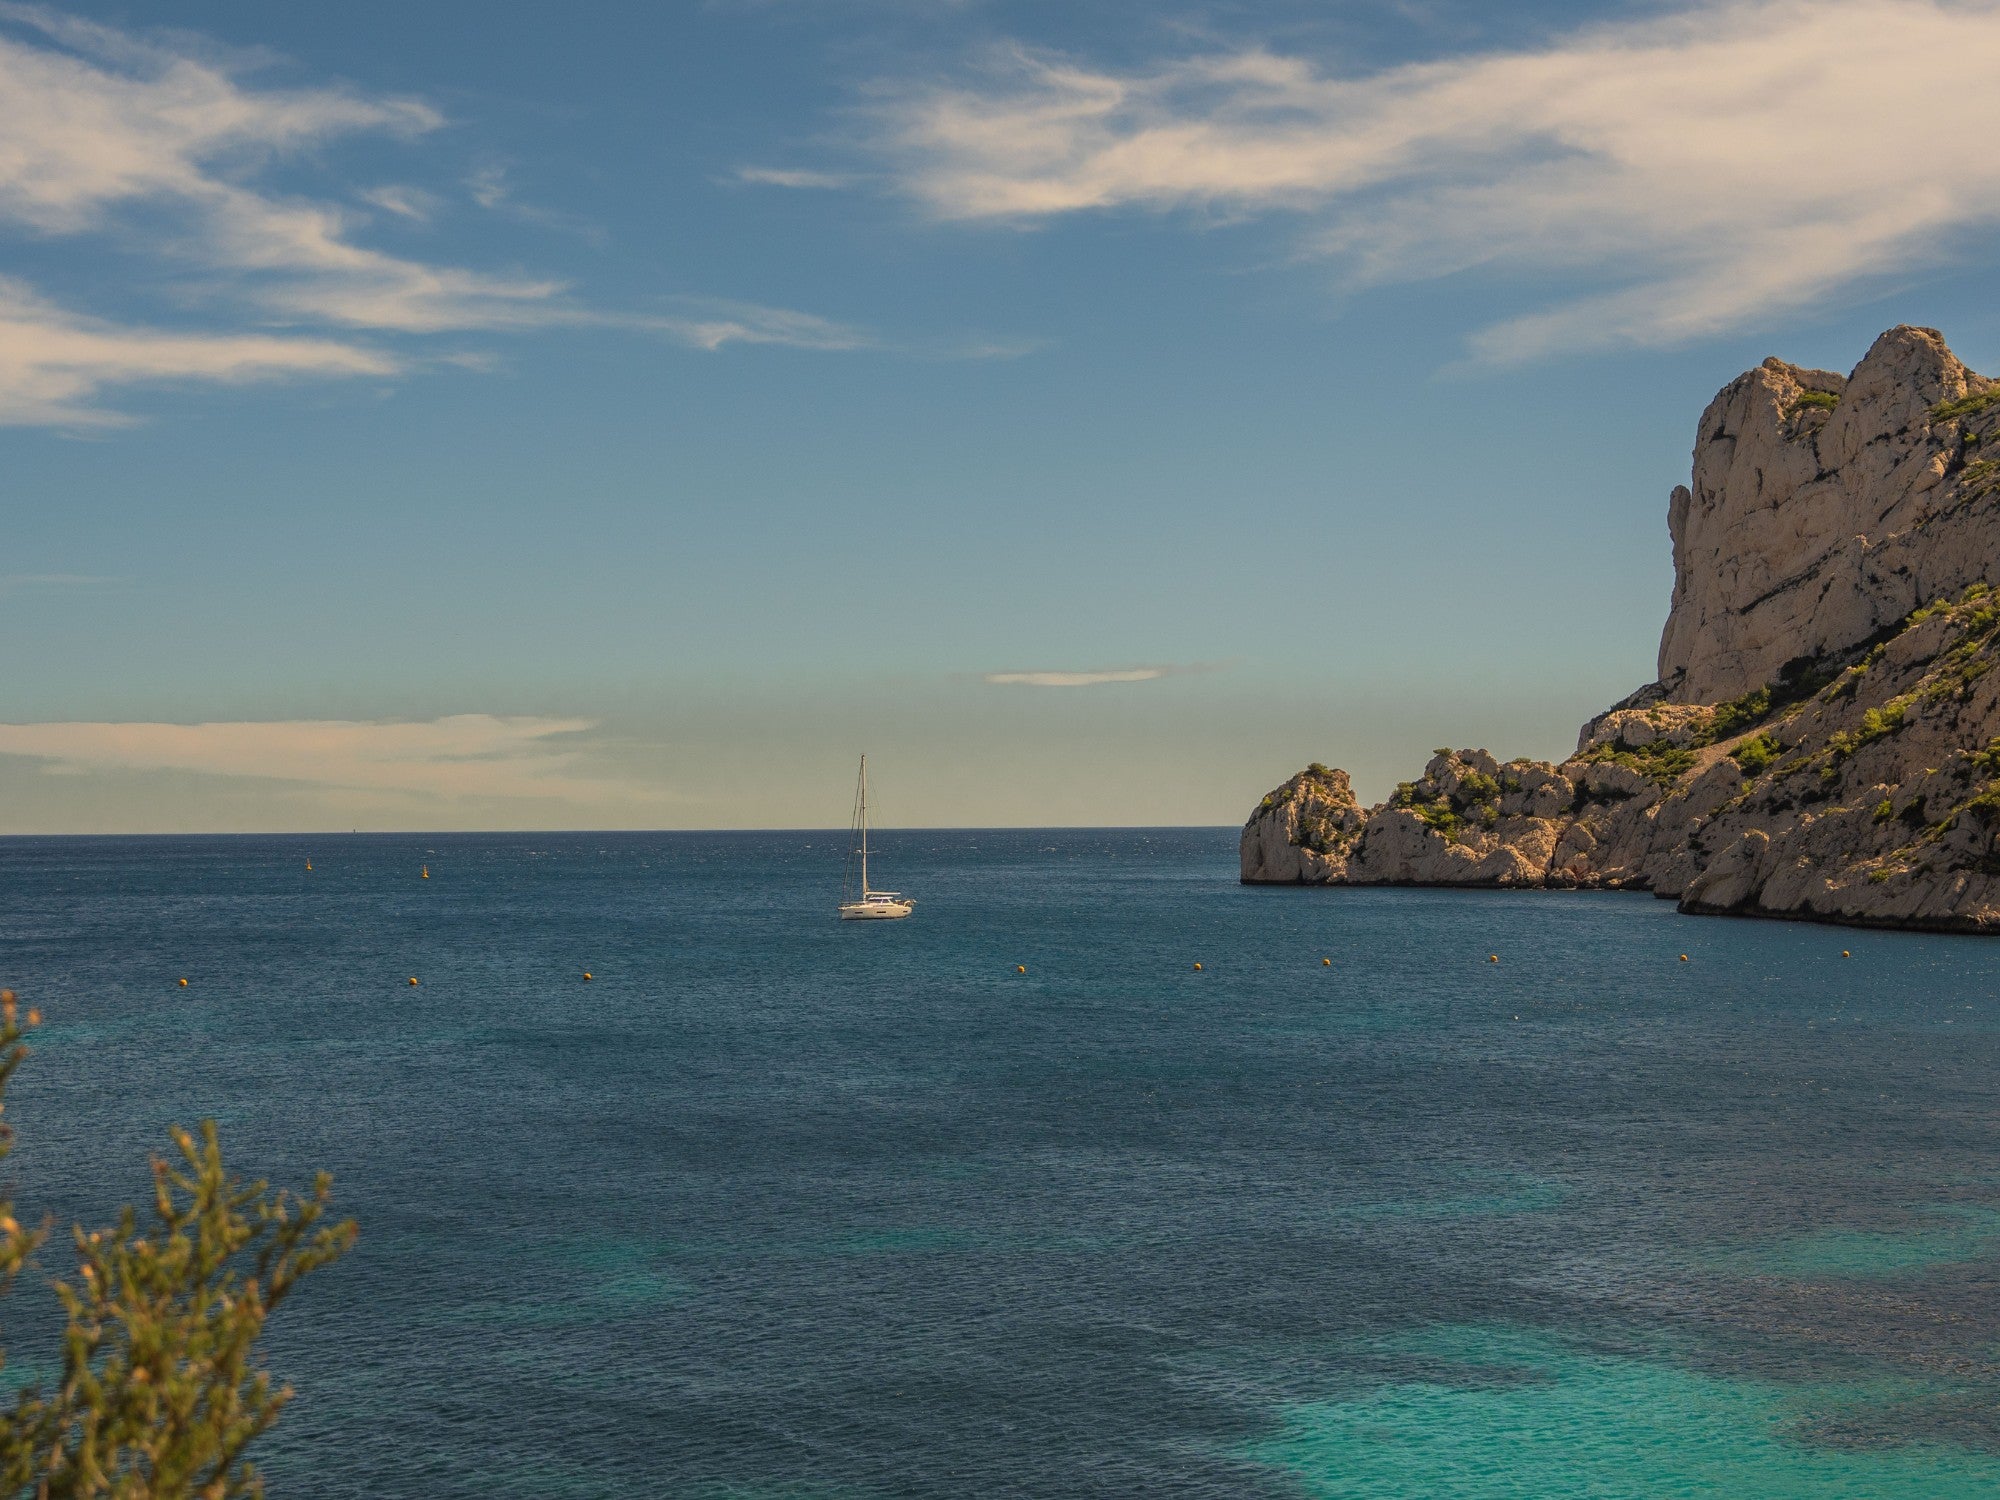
[874, 911]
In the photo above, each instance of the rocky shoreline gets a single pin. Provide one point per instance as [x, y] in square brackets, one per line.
[1823, 740]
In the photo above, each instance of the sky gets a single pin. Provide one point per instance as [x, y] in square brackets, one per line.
[499, 415]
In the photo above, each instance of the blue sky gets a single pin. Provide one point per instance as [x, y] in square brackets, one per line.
[626, 414]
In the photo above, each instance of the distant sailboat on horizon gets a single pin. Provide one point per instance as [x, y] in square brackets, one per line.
[866, 904]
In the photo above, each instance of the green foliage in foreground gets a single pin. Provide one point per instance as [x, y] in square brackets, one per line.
[161, 1388]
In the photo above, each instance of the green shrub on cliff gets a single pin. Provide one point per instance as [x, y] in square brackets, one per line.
[1740, 713]
[1440, 817]
[161, 1388]
[1982, 476]
[1878, 722]
[1659, 762]
[1476, 789]
[1437, 813]
[1755, 754]
[1798, 683]
[1966, 406]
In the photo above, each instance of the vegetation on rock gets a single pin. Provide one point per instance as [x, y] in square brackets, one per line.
[1659, 761]
[1967, 406]
[1756, 754]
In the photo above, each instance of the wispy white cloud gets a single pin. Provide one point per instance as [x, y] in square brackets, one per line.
[55, 364]
[786, 177]
[711, 323]
[1694, 171]
[460, 758]
[160, 148]
[1092, 678]
[489, 186]
[99, 128]
[405, 202]
[97, 124]
[492, 188]
[990, 348]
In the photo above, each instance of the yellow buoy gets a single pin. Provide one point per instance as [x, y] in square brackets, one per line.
[184, 984]
[1493, 958]
[1844, 953]
[309, 864]
[1020, 968]
[413, 979]
[1327, 962]
[1197, 968]
[1684, 958]
[586, 973]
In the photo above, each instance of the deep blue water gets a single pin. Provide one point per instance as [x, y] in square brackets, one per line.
[776, 1205]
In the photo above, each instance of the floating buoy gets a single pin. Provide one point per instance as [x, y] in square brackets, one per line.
[1684, 958]
[309, 864]
[1327, 962]
[1020, 968]
[427, 872]
[413, 979]
[184, 984]
[1493, 958]
[586, 973]
[1844, 953]
[1197, 968]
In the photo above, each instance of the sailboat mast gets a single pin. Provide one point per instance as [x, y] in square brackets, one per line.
[864, 825]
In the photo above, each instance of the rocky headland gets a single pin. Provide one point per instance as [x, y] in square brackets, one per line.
[1823, 740]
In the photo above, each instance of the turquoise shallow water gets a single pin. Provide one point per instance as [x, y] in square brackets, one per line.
[777, 1206]
[1502, 1412]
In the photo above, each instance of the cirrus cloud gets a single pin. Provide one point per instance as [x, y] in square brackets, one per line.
[160, 150]
[1691, 172]
[791, 177]
[459, 758]
[54, 364]
[1096, 677]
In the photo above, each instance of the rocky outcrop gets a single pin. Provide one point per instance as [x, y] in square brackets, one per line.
[1824, 738]
[1303, 830]
[1822, 510]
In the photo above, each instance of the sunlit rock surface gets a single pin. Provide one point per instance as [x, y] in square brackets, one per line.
[1821, 742]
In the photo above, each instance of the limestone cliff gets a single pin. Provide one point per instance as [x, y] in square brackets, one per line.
[1824, 738]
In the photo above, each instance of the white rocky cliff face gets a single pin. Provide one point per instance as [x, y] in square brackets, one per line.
[1824, 738]
[1823, 508]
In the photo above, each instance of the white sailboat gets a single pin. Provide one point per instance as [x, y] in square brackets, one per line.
[866, 904]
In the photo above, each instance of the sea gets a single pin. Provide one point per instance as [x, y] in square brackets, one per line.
[1101, 1175]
